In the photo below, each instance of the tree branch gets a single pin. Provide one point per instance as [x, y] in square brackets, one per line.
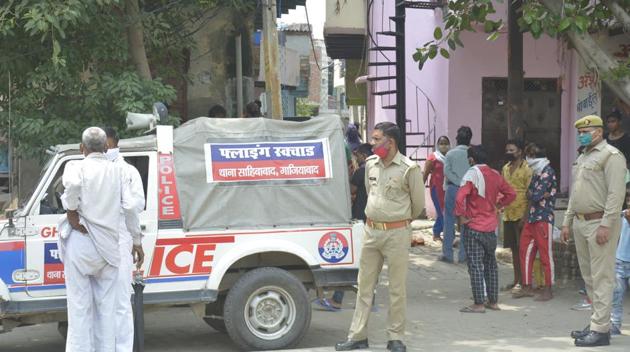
[593, 55]
[135, 39]
[619, 12]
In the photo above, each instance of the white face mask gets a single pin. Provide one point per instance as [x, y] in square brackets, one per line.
[112, 154]
[537, 164]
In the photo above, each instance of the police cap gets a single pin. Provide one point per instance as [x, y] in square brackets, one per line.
[589, 121]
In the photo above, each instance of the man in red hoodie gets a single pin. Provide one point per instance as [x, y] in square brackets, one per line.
[482, 189]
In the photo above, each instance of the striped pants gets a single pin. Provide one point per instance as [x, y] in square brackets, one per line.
[482, 264]
[537, 237]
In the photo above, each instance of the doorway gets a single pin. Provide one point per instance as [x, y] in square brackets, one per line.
[542, 113]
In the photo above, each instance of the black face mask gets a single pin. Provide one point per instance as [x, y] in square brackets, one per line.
[509, 157]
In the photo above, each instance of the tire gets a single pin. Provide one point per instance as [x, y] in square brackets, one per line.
[281, 303]
[214, 315]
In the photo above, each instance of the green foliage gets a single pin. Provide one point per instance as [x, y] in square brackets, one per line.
[69, 66]
[619, 72]
[305, 108]
[461, 16]
[241, 5]
[578, 16]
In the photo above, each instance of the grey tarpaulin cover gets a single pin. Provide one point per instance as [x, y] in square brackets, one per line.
[214, 205]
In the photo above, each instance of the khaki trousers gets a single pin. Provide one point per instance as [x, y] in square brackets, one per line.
[597, 264]
[392, 247]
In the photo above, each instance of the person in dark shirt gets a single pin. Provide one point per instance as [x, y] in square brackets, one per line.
[217, 111]
[616, 136]
[357, 182]
[359, 202]
[252, 110]
[537, 234]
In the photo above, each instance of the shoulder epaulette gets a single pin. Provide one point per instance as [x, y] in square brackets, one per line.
[611, 149]
[410, 163]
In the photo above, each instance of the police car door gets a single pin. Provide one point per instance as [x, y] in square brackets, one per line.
[146, 164]
[44, 274]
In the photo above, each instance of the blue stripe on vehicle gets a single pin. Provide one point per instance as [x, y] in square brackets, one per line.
[149, 281]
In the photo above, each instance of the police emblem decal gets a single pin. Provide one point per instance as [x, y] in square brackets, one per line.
[333, 247]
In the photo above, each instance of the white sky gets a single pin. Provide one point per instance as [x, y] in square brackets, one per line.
[316, 15]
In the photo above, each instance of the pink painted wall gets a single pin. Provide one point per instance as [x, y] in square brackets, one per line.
[543, 58]
[454, 86]
[433, 80]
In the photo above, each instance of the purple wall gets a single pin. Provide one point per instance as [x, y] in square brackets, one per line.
[454, 86]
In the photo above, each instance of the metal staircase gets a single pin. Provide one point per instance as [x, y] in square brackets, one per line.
[416, 144]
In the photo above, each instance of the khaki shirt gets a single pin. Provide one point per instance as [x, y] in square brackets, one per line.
[598, 184]
[395, 192]
[519, 180]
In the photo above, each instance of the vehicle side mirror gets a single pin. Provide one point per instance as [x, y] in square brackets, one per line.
[10, 227]
[9, 214]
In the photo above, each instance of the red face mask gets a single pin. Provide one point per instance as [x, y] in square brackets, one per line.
[381, 151]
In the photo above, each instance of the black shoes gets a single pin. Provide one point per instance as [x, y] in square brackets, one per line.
[350, 345]
[576, 334]
[592, 339]
[396, 346]
[393, 345]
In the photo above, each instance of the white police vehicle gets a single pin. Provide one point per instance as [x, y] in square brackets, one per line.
[242, 217]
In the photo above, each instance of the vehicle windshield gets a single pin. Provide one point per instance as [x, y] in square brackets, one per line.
[48, 164]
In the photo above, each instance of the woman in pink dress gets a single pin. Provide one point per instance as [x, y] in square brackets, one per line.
[434, 172]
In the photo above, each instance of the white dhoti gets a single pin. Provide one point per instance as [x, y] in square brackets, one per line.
[124, 312]
[91, 295]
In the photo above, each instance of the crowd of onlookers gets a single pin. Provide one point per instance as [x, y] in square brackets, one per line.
[252, 109]
[528, 221]
[470, 196]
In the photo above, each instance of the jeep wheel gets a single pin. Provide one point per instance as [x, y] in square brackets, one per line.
[214, 314]
[267, 309]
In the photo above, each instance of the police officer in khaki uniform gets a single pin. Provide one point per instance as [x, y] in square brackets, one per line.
[395, 197]
[594, 215]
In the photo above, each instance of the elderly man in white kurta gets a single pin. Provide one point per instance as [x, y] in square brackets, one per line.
[133, 183]
[94, 196]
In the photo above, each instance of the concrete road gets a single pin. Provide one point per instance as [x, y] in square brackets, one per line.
[435, 293]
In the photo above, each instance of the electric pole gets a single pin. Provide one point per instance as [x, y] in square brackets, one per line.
[270, 47]
[515, 72]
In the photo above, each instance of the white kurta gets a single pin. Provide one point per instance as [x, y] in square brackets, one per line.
[95, 188]
[124, 312]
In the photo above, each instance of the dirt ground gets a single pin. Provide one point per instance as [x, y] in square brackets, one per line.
[437, 290]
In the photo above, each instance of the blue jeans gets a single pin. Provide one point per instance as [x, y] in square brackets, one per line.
[622, 273]
[449, 225]
[438, 227]
[337, 296]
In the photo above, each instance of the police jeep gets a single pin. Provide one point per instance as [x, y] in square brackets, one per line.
[242, 216]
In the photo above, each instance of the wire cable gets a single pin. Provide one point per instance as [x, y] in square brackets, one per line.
[9, 146]
[310, 35]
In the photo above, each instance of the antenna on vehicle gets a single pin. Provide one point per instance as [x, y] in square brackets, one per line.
[10, 146]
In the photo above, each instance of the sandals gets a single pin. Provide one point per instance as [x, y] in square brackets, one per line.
[469, 309]
[417, 242]
[508, 287]
[494, 307]
[325, 305]
[517, 288]
[523, 293]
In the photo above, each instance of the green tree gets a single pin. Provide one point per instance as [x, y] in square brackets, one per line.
[70, 64]
[305, 108]
[571, 20]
